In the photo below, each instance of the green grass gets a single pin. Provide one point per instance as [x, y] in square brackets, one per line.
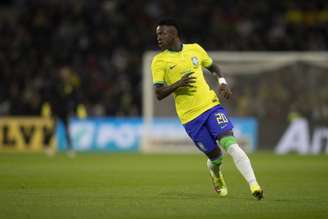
[158, 186]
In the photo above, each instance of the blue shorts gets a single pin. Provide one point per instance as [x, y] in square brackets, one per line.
[206, 128]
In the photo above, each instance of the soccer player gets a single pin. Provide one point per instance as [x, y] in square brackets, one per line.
[61, 97]
[177, 70]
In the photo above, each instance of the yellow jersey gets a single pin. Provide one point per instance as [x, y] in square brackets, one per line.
[169, 66]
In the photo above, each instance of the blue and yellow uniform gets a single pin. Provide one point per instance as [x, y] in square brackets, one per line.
[198, 107]
[168, 67]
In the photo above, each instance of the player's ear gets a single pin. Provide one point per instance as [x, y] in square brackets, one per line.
[173, 31]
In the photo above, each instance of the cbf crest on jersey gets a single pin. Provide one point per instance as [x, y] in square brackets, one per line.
[194, 61]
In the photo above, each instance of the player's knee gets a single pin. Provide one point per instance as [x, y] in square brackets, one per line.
[227, 141]
[214, 154]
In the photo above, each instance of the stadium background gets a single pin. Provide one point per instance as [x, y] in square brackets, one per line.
[98, 47]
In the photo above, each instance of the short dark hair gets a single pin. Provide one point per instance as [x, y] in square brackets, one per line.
[170, 22]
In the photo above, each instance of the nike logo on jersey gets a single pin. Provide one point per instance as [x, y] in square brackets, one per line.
[171, 67]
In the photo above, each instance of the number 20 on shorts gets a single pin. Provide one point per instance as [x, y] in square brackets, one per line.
[221, 118]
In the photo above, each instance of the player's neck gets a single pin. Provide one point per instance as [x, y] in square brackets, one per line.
[176, 47]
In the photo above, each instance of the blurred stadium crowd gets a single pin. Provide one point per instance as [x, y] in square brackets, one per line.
[94, 49]
[293, 91]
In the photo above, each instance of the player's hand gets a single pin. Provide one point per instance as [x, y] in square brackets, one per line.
[187, 80]
[225, 91]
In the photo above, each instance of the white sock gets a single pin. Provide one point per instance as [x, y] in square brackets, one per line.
[213, 168]
[242, 163]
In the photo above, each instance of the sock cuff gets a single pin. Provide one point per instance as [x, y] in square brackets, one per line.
[227, 141]
[217, 161]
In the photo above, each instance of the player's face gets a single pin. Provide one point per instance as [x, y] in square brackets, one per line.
[165, 36]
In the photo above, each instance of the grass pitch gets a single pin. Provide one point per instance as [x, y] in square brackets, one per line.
[158, 186]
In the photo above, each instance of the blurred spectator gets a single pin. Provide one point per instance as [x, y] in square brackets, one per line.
[102, 41]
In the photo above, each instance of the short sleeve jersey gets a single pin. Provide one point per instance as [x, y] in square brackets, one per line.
[168, 67]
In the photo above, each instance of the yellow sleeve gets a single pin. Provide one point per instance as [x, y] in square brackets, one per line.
[206, 59]
[46, 110]
[81, 111]
[158, 71]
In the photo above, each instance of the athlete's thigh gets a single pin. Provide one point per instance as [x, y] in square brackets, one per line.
[218, 123]
[205, 142]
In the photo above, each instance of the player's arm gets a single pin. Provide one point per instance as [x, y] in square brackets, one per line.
[224, 88]
[162, 90]
[208, 63]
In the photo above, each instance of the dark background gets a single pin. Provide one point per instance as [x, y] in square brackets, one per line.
[99, 44]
